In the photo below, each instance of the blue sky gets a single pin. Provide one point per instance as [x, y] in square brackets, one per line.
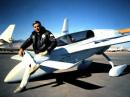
[82, 15]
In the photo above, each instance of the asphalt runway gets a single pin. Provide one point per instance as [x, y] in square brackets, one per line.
[91, 82]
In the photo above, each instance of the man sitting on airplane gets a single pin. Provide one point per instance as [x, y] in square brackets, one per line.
[43, 43]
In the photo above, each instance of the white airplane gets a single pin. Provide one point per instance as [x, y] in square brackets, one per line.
[6, 36]
[72, 49]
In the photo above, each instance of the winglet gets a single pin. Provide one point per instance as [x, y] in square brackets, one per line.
[122, 31]
[65, 29]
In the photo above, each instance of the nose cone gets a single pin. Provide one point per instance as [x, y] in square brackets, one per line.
[15, 74]
[7, 79]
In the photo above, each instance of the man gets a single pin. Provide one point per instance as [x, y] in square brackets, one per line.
[43, 43]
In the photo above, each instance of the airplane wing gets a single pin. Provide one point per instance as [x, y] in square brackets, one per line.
[17, 57]
[57, 64]
[84, 45]
[112, 41]
[50, 63]
[64, 65]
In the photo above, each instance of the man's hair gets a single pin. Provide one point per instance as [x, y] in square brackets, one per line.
[36, 22]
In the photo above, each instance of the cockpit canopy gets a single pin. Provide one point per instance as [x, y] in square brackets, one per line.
[74, 37]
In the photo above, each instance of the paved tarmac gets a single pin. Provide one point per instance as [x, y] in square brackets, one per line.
[92, 82]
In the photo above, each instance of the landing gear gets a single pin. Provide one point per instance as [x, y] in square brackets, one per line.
[115, 70]
[84, 64]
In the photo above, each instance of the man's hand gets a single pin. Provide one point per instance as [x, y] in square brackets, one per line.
[21, 52]
[43, 53]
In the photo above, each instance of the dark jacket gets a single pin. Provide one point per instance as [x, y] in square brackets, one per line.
[43, 40]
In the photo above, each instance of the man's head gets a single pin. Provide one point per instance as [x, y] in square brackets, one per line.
[37, 26]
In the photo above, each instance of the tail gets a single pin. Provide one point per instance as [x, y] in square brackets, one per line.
[65, 29]
[7, 34]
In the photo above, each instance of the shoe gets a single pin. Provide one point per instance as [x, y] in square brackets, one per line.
[32, 70]
[19, 89]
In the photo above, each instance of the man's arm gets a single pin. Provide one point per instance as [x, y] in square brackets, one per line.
[53, 42]
[25, 45]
